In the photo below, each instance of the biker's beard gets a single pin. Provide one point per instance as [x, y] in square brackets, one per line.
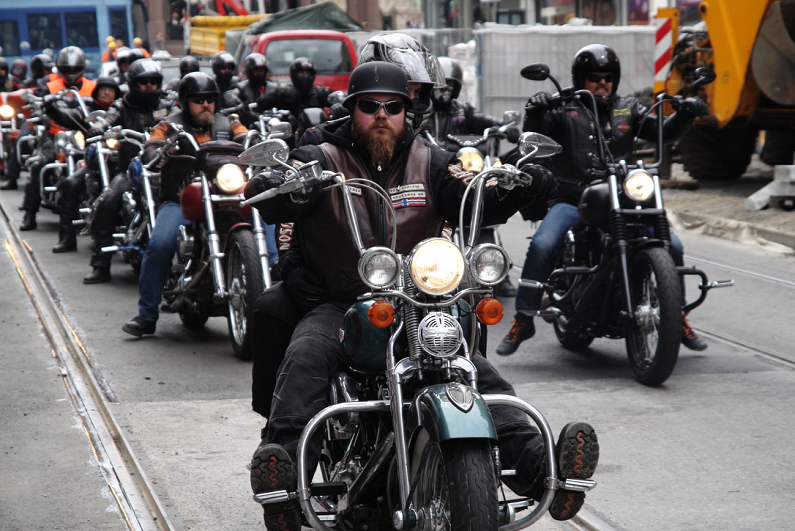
[380, 146]
[203, 119]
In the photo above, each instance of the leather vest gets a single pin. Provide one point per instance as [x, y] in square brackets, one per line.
[325, 239]
[57, 85]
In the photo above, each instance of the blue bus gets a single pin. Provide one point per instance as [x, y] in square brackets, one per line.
[29, 26]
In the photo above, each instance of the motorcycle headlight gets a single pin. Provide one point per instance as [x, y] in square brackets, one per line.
[489, 264]
[437, 266]
[471, 159]
[61, 139]
[112, 143]
[379, 267]
[230, 178]
[79, 139]
[639, 185]
[6, 111]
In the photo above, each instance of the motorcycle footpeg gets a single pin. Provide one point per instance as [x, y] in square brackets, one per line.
[275, 496]
[531, 283]
[575, 484]
[718, 284]
[110, 249]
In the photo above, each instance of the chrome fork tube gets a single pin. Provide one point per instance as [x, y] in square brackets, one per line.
[262, 247]
[213, 240]
[150, 203]
[396, 405]
[103, 168]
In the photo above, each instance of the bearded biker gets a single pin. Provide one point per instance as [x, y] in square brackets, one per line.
[375, 143]
[595, 68]
[198, 97]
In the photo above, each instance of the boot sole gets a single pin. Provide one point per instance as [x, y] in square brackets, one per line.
[272, 469]
[577, 451]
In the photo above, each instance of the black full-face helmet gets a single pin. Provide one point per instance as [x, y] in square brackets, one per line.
[417, 62]
[595, 58]
[377, 77]
[187, 65]
[223, 66]
[196, 84]
[144, 70]
[453, 73]
[39, 63]
[4, 68]
[71, 63]
[255, 61]
[306, 81]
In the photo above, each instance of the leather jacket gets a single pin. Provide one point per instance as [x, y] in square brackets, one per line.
[459, 118]
[424, 184]
[572, 127]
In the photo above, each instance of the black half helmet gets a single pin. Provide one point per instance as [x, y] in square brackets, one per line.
[223, 66]
[39, 63]
[106, 81]
[71, 63]
[256, 60]
[196, 84]
[187, 65]
[144, 70]
[595, 58]
[305, 82]
[377, 77]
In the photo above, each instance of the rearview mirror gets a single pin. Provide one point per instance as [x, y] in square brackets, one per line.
[269, 153]
[536, 72]
[337, 96]
[538, 146]
[705, 73]
[510, 117]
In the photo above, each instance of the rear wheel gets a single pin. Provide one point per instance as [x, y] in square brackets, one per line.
[654, 336]
[244, 283]
[457, 487]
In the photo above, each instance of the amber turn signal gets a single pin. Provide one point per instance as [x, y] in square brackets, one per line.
[489, 311]
[61, 157]
[381, 314]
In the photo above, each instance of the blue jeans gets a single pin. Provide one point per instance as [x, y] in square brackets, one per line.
[270, 243]
[157, 259]
[540, 257]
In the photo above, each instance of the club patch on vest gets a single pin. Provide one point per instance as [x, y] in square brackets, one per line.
[285, 236]
[355, 190]
[574, 114]
[408, 195]
[222, 135]
[623, 127]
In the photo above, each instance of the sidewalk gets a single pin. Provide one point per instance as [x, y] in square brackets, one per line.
[718, 207]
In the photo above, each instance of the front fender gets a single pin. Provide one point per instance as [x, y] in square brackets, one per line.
[433, 410]
[243, 225]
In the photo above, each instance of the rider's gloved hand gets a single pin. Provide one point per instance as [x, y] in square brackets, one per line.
[512, 134]
[693, 106]
[261, 183]
[544, 183]
[338, 110]
[96, 131]
[495, 131]
[538, 102]
[161, 160]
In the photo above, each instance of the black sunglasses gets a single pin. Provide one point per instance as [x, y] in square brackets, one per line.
[372, 107]
[596, 78]
[198, 100]
[154, 82]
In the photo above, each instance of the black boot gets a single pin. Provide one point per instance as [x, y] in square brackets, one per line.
[29, 221]
[97, 276]
[138, 326]
[66, 244]
[9, 184]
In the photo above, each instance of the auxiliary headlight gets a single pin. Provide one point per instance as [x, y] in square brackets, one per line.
[112, 143]
[6, 112]
[61, 139]
[79, 139]
[437, 266]
[639, 185]
[489, 264]
[471, 159]
[230, 178]
[379, 267]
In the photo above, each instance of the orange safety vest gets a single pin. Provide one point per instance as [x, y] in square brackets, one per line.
[57, 85]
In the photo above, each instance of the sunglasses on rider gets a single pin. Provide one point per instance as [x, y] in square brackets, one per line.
[596, 78]
[198, 100]
[148, 82]
[372, 107]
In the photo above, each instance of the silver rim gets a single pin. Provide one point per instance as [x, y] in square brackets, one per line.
[433, 493]
[647, 318]
[237, 294]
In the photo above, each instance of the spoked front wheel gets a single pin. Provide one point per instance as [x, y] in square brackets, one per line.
[654, 335]
[244, 283]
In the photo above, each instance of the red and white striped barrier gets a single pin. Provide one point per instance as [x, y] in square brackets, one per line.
[662, 50]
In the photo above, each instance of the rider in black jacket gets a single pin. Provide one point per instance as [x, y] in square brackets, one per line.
[595, 68]
[141, 108]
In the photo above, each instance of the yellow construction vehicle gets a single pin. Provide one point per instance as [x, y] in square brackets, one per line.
[749, 44]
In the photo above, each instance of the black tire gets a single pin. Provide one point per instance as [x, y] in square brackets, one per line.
[570, 336]
[711, 154]
[458, 486]
[194, 320]
[244, 282]
[653, 343]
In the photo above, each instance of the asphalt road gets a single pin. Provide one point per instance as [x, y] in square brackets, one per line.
[707, 450]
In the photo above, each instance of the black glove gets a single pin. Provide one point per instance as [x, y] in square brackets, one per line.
[495, 131]
[96, 131]
[161, 159]
[261, 183]
[288, 93]
[538, 102]
[512, 134]
[693, 106]
[306, 288]
[544, 183]
[338, 110]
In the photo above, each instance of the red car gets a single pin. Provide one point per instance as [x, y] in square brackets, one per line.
[332, 52]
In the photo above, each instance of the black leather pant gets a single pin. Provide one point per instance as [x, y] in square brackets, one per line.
[32, 200]
[107, 216]
[71, 189]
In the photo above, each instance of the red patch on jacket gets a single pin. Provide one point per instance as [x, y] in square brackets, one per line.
[623, 127]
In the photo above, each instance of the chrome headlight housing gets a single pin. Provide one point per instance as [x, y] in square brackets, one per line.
[471, 159]
[436, 266]
[639, 185]
[230, 178]
[379, 267]
[489, 264]
[6, 112]
[61, 139]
